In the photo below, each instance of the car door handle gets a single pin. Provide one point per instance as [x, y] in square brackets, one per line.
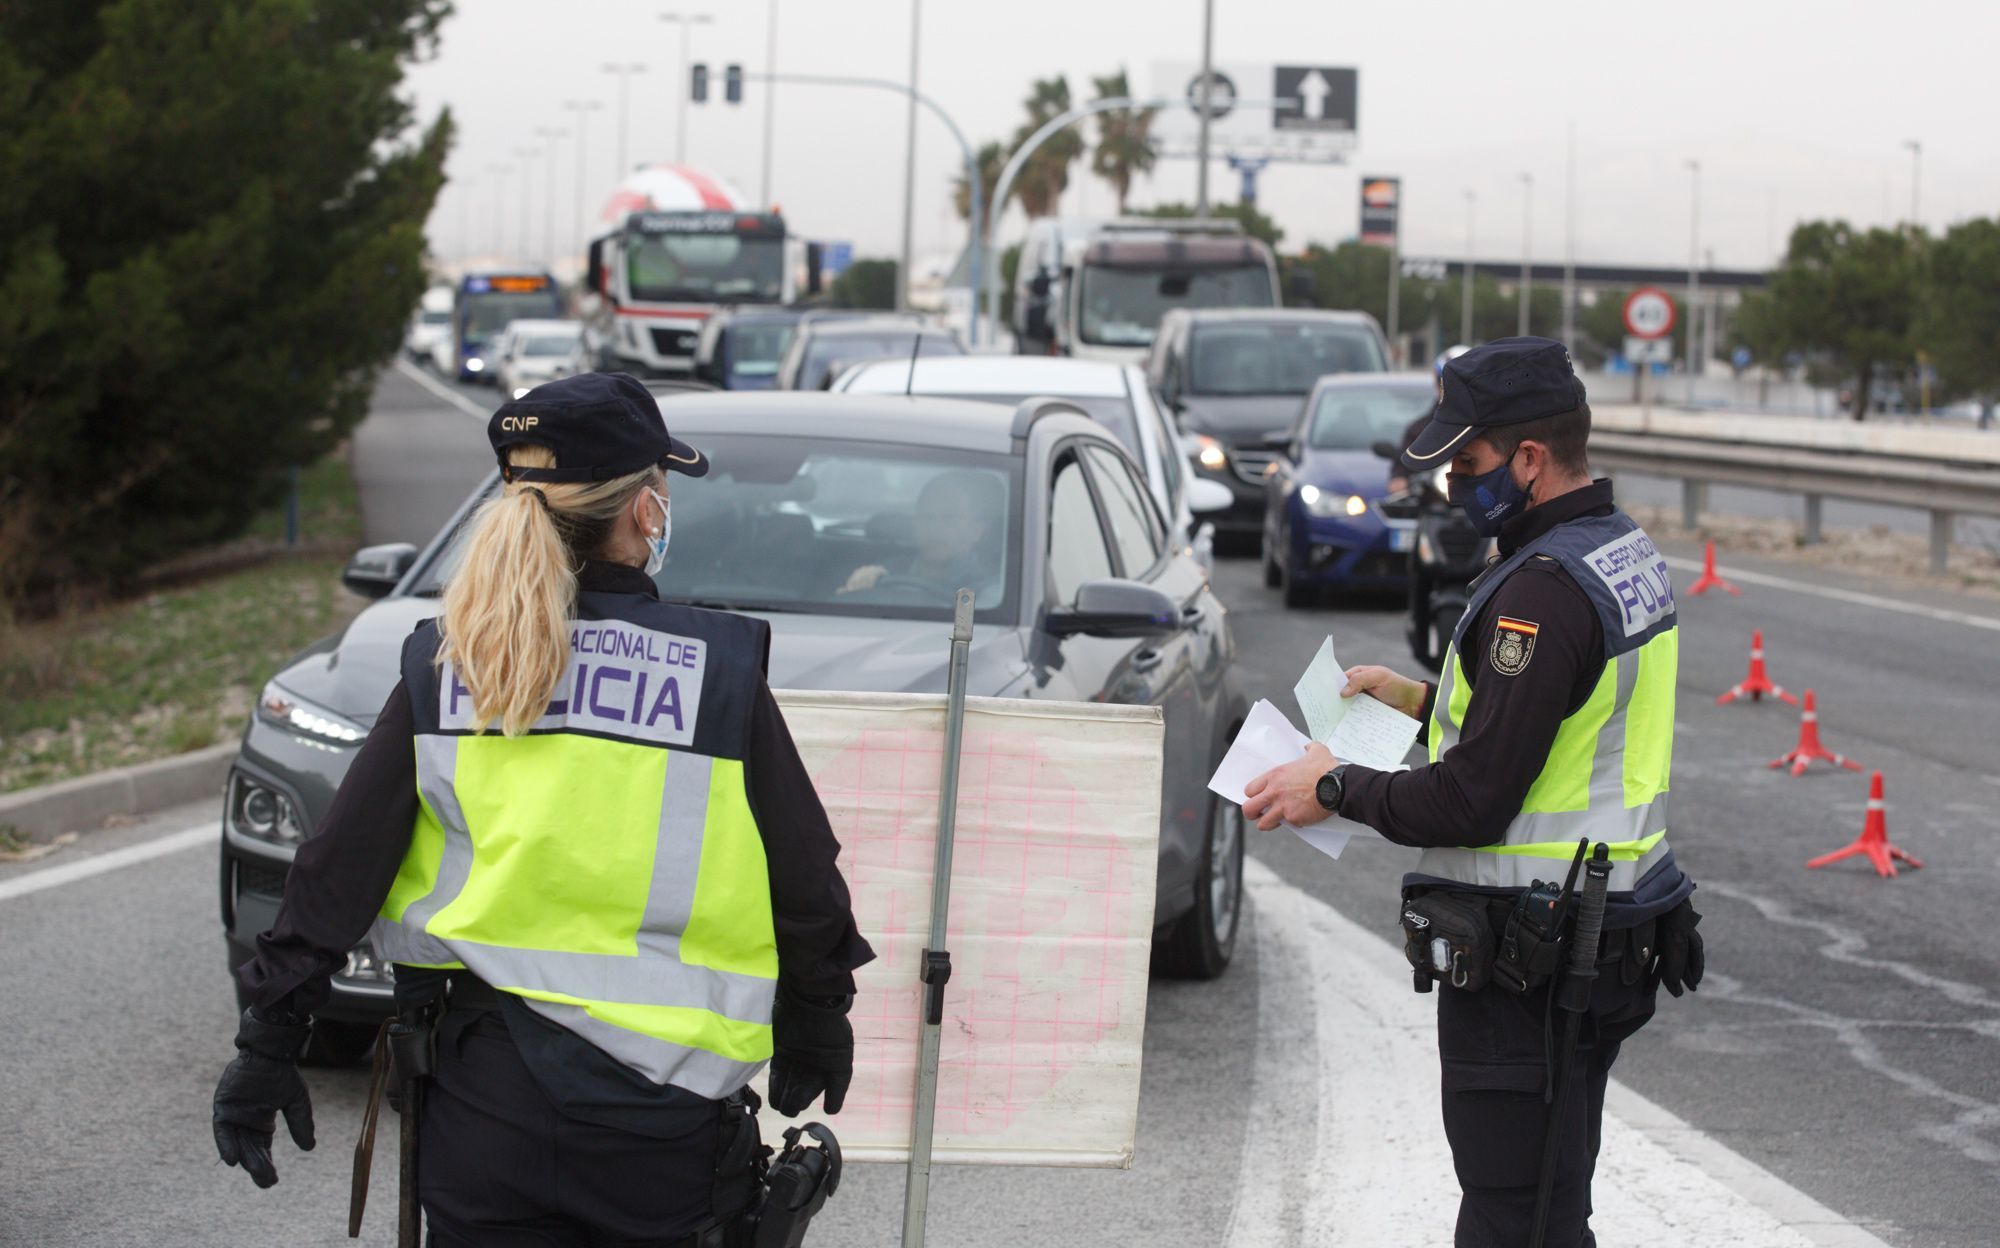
[1148, 659]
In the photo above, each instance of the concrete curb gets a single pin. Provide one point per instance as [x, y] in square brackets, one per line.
[87, 801]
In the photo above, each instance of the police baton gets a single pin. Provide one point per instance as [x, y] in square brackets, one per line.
[1572, 996]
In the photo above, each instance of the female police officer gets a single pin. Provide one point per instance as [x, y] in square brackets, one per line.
[583, 804]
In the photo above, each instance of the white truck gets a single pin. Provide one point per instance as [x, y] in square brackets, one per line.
[682, 246]
[1105, 298]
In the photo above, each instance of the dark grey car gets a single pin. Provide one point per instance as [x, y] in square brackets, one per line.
[1081, 597]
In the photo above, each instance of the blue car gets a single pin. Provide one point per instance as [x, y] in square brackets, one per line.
[1323, 524]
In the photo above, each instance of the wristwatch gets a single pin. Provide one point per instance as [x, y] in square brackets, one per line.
[1332, 787]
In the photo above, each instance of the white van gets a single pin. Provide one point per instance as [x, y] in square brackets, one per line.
[1038, 279]
[430, 326]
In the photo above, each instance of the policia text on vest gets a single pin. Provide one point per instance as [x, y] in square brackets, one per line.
[1550, 732]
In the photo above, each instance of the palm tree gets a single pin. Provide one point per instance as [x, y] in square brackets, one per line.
[991, 157]
[1125, 142]
[1046, 174]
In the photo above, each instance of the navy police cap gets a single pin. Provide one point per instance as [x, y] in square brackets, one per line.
[1505, 382]
[601, 426]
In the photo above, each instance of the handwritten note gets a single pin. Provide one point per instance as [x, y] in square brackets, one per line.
[1357, 729]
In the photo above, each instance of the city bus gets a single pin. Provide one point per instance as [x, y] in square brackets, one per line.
[484, 303]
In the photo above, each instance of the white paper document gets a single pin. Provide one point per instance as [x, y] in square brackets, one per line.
[1357, 729]
[1266, 740]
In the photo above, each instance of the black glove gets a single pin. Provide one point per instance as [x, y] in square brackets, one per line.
[814, 1045]
[263, 1080]
[1681, 960]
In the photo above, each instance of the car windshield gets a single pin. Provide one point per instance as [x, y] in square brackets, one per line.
[436, 318]
[489, 313]
[1277, 358]
[1355, 418]
[830, 527]
[757, 349]
[660, 269]
[1114, 412]
[824, 350]
[1123, 307]
[547, 344]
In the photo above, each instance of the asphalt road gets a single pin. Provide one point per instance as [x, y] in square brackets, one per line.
[1845, 1039]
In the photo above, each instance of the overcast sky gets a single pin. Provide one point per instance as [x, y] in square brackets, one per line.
[1794, 110]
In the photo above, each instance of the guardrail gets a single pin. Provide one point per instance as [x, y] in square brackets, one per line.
[1744, 454]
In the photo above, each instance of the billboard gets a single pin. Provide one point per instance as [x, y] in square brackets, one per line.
[1314, 124]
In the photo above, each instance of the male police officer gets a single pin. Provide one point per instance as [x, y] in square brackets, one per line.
[1552, 723]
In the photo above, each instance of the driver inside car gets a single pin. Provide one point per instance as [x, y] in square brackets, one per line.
[951, 529]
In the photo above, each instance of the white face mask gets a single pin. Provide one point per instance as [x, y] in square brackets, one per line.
[656, 547]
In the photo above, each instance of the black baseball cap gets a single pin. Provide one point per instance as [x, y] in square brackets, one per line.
[601, 426]
[1504, 382]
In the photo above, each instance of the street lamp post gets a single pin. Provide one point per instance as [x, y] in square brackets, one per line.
[909, 162]
[1569, 243]
[499, 174]
[687, 22]
[1203, 94]
[624, 72]
[550, 135]
[770, 103]
[1916, 177]
[1694, 274]
[583, 109]
[524, 155]
[1527, 247]
[1465, 299]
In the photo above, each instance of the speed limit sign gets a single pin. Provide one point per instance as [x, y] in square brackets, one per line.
[1649, 313]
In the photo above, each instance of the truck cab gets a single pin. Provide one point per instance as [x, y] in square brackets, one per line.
[1119, 283]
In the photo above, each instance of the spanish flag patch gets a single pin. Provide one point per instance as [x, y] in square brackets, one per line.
[1513, 645]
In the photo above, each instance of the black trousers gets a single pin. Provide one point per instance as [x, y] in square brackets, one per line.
[501, 1167]
[1496, 1051]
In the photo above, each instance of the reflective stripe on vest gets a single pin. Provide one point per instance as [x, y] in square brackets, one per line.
[619, 887]
[1606, 775]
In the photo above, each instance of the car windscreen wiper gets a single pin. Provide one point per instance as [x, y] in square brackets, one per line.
[719, 604]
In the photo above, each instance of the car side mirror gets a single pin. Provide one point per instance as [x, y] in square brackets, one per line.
[1205, 495]
[1386, 450]
[1038, 285]
[1114, 608]
[593, 268]
[1407, 505]
[815, 257]
[375, 570]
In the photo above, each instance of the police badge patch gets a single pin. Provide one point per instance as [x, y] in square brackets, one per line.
[1513, 645]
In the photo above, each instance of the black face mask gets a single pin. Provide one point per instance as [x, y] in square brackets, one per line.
[1490, 499]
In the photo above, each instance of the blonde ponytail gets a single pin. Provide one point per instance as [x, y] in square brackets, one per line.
[507, 610]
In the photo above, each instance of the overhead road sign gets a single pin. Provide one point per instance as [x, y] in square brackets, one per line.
[1316, 97]
[1649, 313]
[1258, 111]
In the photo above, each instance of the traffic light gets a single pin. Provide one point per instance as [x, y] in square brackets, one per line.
[698, 88]
[732, 84]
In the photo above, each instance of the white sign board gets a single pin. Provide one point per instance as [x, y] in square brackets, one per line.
[1649, 350]
[1054, 871]
[1315, 126]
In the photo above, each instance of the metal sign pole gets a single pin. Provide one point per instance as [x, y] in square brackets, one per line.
[936, 969]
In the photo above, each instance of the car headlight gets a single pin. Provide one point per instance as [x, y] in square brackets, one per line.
[261, 812]
[295, 715]
[1320, 502]
[474, 364]
[1211, 455]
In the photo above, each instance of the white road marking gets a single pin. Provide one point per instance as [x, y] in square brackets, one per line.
[1847, 595]
[84, 868]
[1381, 1172]
[441, 390]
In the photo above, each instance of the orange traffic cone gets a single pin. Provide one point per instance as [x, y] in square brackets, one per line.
[1809, 747]
[1708, 579]
[1874, 839]
[1756, 684]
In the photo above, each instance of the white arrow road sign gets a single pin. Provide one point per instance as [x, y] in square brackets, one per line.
[1313, 91]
